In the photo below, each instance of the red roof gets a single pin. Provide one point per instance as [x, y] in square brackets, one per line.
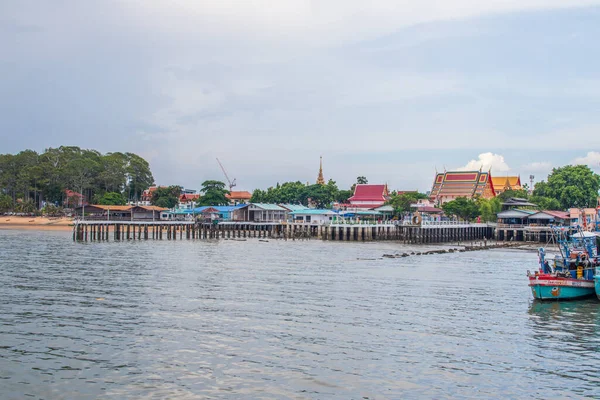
[374, 193]
[239, 195]
[188, 197]
[557, 214]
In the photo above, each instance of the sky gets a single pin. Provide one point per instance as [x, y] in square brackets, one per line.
[393, 90]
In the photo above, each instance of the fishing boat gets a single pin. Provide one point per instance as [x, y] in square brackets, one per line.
[570, 275]
[597, 282]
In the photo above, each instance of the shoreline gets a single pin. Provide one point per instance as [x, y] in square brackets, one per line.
[9, 222]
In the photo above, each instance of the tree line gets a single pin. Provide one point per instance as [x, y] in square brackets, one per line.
[30, 180]
[319, 196]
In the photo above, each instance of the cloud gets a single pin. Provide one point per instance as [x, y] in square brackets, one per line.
[318, 23]
[538, 166]
[269, 86]
[486, 161]
[592, 159]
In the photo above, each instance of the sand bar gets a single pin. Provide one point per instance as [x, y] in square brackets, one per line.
[36, 223]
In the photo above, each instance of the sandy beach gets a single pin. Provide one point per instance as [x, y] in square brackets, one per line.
[36, 223]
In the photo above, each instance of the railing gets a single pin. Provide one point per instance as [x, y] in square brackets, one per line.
[111, 218]
[528, 226]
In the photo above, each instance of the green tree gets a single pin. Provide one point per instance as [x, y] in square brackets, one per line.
[6, 203]
[139, 176]
[167, 197]
[25, 206]
[113, 174]
[510, 193]
[572, 185]
[258, 196]
[317, 195]
[213, 194]
[111, 199]
[44, 177]
[540, 189]
[402, 202]
[342, 196]
[545, 203]
[461, 207]
[489, 208]
[362, 180]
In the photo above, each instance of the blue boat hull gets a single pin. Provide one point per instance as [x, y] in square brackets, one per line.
[541, 292]
[597, 285]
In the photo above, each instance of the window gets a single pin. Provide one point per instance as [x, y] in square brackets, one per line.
[308, 218]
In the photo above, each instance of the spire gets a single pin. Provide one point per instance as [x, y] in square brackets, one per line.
[320, 179]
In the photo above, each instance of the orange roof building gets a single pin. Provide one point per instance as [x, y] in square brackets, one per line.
[504, 183]
[238, 196]
[448, 186]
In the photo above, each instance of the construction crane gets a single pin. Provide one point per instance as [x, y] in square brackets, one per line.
[232, 184]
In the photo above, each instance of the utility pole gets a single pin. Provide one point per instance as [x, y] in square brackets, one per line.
[531, 178]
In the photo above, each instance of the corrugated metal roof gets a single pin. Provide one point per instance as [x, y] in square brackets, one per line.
[294, 207]
[385, 208]
[550, 215]
[152, 208]
[364, 212]
[314, 212]
[515, 214]
[269, 207]
[111, 208]
[220, 208]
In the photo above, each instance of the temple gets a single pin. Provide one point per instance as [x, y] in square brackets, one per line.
[448, 186]
[504, 183]
[369, 196]
[320, 179]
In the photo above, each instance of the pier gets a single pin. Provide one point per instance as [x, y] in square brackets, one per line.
[84, 231]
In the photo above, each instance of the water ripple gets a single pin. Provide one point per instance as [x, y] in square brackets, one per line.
[279, 320]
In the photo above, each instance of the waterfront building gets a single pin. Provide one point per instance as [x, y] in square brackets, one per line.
[146, 197]
[514, 218]
[368, 196]
[120, 213]
[587, 218]
[504, 183]
[262, 212]
[313, 216]
[429, 213]
[238, 197]
[188, 200]
[450, 185]
[549, 218]
[386, 211]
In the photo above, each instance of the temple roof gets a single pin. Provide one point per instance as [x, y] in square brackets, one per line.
[366, 192]
[462, 184]
[507, 182]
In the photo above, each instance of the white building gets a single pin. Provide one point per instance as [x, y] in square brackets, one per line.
[313, 216]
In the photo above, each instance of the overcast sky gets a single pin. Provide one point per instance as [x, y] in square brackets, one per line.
[390, 90]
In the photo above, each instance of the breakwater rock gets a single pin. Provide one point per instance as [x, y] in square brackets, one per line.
[461, 249]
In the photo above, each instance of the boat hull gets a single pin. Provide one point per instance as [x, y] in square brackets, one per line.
[548, 287]
[597, 286]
